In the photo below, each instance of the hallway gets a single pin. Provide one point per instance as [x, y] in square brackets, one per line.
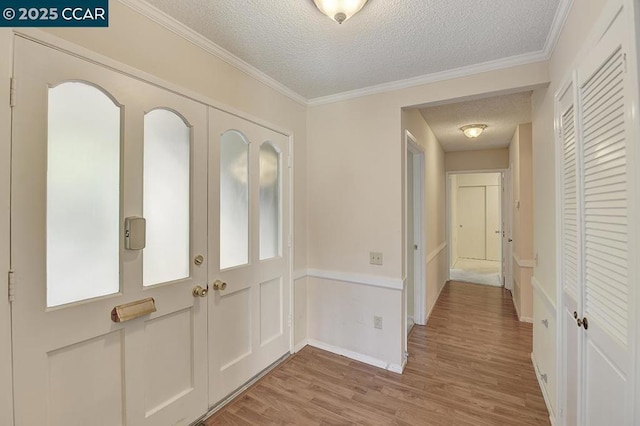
[476, 271]
[470, 365]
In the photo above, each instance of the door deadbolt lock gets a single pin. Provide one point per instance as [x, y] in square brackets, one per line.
[198, 260]
[219, 285]
[199, 291]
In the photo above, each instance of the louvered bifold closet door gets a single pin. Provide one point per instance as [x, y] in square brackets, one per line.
[604, 101]
[569, 204]
[569, 246]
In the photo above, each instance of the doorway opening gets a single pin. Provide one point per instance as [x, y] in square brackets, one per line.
[477, 228]
[415, 301]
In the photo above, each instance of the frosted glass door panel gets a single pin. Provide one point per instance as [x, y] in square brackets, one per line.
[166, 197]
[234, 200]
[270, 207]
[83, 194]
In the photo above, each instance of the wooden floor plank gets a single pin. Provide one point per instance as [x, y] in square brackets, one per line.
[470, 365]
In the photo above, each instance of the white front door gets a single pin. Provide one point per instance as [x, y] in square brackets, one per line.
[249, 216]
[471, 222]
[92, 147]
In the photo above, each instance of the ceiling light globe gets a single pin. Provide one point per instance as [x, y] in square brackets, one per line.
[340, 10]
[472, 131]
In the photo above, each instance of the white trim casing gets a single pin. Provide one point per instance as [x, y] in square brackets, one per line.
[395, 368]
[520, 318]
[551, 305]
[348, 277]
[543, 389]
[524, 263]
[437, 251]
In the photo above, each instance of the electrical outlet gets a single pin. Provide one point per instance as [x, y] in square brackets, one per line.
[375, 258]
[377, 322]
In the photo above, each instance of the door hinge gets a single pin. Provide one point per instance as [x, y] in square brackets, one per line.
[290, 321]
[624, 58]
[12, 92]
[289, 242]
[288, 161]
[12, 285]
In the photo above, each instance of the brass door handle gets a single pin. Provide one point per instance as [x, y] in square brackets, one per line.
[219, 285]
[198, 291]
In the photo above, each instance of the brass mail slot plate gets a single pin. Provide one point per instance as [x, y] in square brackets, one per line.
[133, 310]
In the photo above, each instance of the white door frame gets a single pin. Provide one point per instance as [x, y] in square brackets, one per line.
[419, 195]
[508, 214]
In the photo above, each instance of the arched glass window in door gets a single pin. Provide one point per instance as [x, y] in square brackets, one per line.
[166, 202]
[270, 202]
[234, 200]
[83, 194]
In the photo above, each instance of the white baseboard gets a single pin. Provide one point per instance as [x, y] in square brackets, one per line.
[520, 318]
[356, 356]
[435, 302]
[300, 346]
[543, 389]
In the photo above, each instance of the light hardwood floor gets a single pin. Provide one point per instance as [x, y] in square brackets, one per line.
[470, 365]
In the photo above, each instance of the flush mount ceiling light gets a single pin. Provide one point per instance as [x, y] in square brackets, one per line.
[340, 10]
[472, 131]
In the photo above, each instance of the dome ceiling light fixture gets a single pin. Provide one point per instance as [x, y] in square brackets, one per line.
[340, 10]
[472, 131]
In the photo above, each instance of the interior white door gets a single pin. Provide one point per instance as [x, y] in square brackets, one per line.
[249, 218]
[81, 135]
[607, 98]
[507, 213]
[411, 243]
[471, 222]
[569, 252]
[492, 227]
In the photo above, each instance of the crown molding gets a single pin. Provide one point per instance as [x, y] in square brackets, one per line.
[177, 27]
[202, 42]
[512, 61]
[557, 25]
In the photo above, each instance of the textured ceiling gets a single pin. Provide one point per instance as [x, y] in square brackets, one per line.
[389, 40]
[500, 113]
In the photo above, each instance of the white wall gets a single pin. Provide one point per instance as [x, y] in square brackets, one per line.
[355, 174]
[479, 179]
[521, 160]
[6, 403]
[485, 159]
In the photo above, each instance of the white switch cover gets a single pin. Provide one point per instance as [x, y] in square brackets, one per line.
[375, 258]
